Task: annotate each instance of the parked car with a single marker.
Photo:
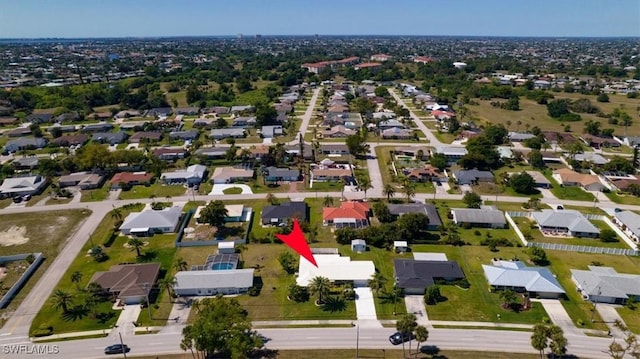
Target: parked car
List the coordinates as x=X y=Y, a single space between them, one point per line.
x=117 y=349
x=17 y=199
x=399 y=338
x=26 y=197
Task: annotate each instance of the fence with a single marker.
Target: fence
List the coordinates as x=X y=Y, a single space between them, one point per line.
x=23 y=278
x=584 y=249
x=515 y=227
x=179 y=243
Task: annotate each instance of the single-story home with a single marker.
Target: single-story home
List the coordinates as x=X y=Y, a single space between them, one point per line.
x=18 y=132
x=20 y=186
x=188 y=135
x=598 y=141
x=568 y=177
x=358 y=245
x=520 y=136
x=189 y=111
x=212 y=152
x=566 y=221
x=388 y=124
x=192 y=175
x=242 y=108
x=235 y=213
x=426 y=173
x=221 y=133
x=415 y=276
x=337 y=149
x=26 y=143
x=159 y=112
x=151 y=136
x=591 y=157
x=130 y=283
x=517 y=276
x=338 y=132
x=485 y=216
x=149 y=222
x=231 y=175
x=397 y=132
x=473 y=176
x=112 y=138
x=243 y=122
x=25 y=163
x=284 y=212
x=70 y=140
x=213 y=282
x=335 y=268
x=277 y=174
x=452 y=153
x=84 y=180
x=629 y=223
x=272 y=131
x=605 y=285
x=427 y=209
x=349 y=214
x=169 y=154
x=539 y=179
x=98 y=127
x=130 y=179
x=329 y=174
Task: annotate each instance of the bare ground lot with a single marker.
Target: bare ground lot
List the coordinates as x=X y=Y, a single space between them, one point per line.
x=47 y=233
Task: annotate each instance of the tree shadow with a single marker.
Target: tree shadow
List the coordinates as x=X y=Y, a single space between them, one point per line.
x=432 y=350
x=265 y=353
x=147 y=256
x=103 y=318
x=225 y=232
x=75 y=313
x=334 y=304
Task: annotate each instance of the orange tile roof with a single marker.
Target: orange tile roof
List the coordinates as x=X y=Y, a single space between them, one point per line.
x=347 y=209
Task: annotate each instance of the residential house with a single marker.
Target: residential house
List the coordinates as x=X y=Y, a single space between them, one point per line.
x=567 y=222
x=358 y=245
x=169 y=154
x=218 y=110
x=294 y=150
x=127 y=179
x=281 y=214
x=381 y=57
x=68 y=117
x=338 y=132
x=189 y=111
x=159 y=112
x=242 y=109
x=19 y=132
x=415 y=276
x=213 y=282
x=591 y=157
x=188 y=135
x=629 y=223
x=192 y=175
x=427 y=209
x=221 y=133
x=10 y=121
x=99 y=116
x=25 y=163
x=626 y=184
x=549 y=157
x=558 y=137
x=397 y=133
x=517 y=276
x=97 y=127
x=70 y=140
x=413 y=152
x=334 y=149
x=112 y=138
x=390 y=123
x=422 y=59
x=212 y=152
x=605 y=285
x=631 y=141
x=20 y=186
x=426 y=173
x=283 y=107
x=38 y=118
x=27 y=143
x=337 y=269
x=150 y=222
x=244 y=122
x=129 y=283
x=272 y=131
x=473 y=177
x=371 y=66
x=142 y=136
x=204 y=122
x=599 y=142
x=520 y=136
x=540 y=181
x=62 y=128
x=452 y=153
x=332 y=174
x=255 y=152
x=277 y=174
x=485 y=216
x=83 y=180
x=567 y=177
x=231 y=175
x=124 y=114
x=349 y=214
x=349 y=120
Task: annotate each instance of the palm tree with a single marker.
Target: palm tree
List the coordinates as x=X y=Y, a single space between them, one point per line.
x=180 y=264
x=187 y=341
x=90 y=302
x=422 y=335
x=76 y=277
x=116 y=214
x=364 y=184
x=320 y=285
x=168 y=282
x=62 y=300
x=136 y=244
x=153 y=198
x=518 y=123
x=389 y=191
x=98 y=254
x=508 y=123
x=409 y=191
x=377 y=282
x=539 y=339
x=272 y=199
x=327 y=201
x=406 y=325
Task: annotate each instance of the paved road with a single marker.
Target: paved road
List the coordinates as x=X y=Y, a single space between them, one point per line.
x=308 y=114
x=433 y=140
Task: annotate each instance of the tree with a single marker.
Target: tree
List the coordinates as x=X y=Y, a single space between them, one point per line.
x=608 y=235
x=592 y=127
x=76 y=277
x=535 y=159
x=631 y=346
x=481 y=153
x=272 y=199
x=320 y=286
x=377 y=282
x=381 y=91
x=602 y=97
x=357 y=145
x=98 y=254
x=432 y=295
x=180 y=264
x=168 y=282
x=422 y=335
x=496 y=134
x=345 y=235
x=438 y=161
x=522 y=183
x=135 y=244
x=619 y=164
x=62 y=300
x=187 y=341
x=298 y=293
x=222 y=328
x=364 y=184
x=539 y=339
x=381 y=211
x=409 y=190
x=557 y=108
x=472 y=200
x=214 y=214
x=558 y=343
x=406 y=325
x=389 y=191
x=509 y=298
x=513 y=104
x=116 y=213
x=327 y=201
x=538 y=256
x=550 y=336
x=288 y=262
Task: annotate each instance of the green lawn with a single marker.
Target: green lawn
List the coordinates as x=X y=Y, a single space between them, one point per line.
x=156 y=190
x=568 y=192
x=95 y=195
x=159 y=248
x=233 y=190
x=623 y=198
x=383 y=153
x=631 y=318
x=59 y=200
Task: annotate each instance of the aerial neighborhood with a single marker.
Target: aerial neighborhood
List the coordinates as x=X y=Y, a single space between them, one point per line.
x=146 y=189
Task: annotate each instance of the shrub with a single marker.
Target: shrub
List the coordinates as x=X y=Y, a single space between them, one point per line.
x=477 y=232
x=253 y=291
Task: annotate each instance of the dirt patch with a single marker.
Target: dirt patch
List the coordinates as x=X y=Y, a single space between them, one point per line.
x=14 y=236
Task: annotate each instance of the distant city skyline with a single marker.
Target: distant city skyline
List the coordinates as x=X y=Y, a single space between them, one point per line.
x=156 y=18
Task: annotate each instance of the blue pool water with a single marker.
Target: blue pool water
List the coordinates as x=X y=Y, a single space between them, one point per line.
x=222 y=266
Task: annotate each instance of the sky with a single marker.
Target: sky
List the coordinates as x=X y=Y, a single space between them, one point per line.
x=151 y=18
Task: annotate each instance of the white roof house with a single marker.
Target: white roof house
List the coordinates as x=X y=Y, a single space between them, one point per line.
x=485 y=216
x=515 y=274
x=193 y=174
x=212 y=282
x=629 y=222
x=567 y=220
x=335 y=268
x=605 y=285
x=151 y=221
x=22 y=185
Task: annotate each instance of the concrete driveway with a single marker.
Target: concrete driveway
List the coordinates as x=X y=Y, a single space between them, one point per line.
x=415 y=305
x=218 y=189
x=365 y=307
x=558 y=315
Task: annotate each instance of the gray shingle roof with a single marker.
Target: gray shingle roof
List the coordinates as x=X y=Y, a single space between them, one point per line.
x=168 y=217
x=421 y=274
x=573 y=220
x=428 y=209
x=286 y=210
x=631 y=220
x=517 y=274
x=470 y=176
x=606 y=282
x=478 y=215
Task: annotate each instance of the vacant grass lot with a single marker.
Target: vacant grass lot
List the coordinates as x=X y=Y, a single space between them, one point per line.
x=156 y=190
x=48 y=233
x=383 y=153
x=631 y=318
x=95 y=195
x=623 y=198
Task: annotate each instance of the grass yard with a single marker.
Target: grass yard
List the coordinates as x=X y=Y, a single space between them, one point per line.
x=47 y=233
x=59 y=200
x=623 y=198
x=233 y=190
x=157 y=189
x=95 y=195
x=383 y=153
x=631 y=318
x=568 y=192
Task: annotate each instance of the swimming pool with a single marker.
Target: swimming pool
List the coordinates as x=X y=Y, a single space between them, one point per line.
x=222 y=266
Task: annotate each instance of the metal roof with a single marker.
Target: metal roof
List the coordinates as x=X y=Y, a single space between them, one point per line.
x=210 y=279
x=517 y=274
x=606 y=282
x=573 y=220
x=477 y=215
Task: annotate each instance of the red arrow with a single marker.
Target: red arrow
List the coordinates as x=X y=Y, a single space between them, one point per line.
x=297 y=242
